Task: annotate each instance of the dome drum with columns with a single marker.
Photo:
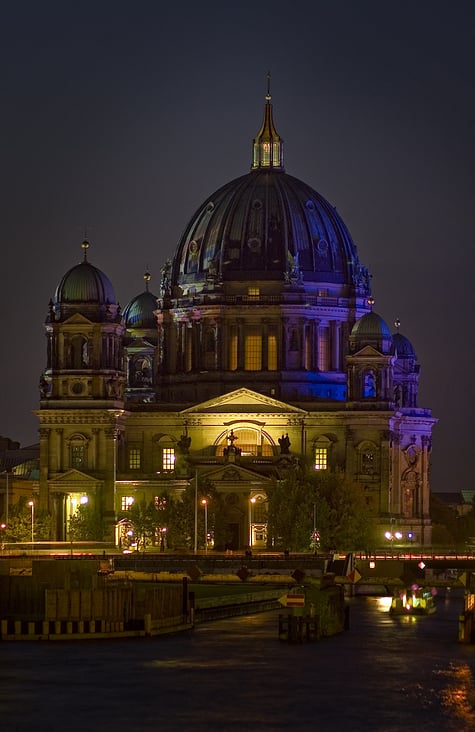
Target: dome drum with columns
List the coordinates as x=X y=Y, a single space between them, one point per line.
x=261 y=349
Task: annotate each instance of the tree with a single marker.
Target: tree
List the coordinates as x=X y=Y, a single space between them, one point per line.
x=343 y=519
x=446 y=527
x=86 y=525
x=19 y=523
x=290 y=514
x=182 y=517
x=145 y=521
x=349 y=523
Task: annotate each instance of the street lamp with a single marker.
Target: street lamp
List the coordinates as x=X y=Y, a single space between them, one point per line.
x=196 y=511
x=204 y=503
x=32 y=506
x=6 y=495
x=251 y=501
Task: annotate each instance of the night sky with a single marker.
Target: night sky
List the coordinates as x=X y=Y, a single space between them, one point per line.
x=120 y=118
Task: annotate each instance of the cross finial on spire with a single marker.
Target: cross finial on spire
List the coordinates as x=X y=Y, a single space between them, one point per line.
x=85 y=247
x=397 y=323
x=268 y=95
x=147 y=277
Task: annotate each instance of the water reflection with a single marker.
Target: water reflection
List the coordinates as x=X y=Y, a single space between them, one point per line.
x=458 y=697
x=385 y=674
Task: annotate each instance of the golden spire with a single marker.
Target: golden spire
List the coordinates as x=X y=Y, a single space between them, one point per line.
x=268 y=146
x=147 y=277
x=85 y=247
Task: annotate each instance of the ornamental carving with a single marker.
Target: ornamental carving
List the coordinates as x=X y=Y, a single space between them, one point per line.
x=411 y=453
x=231 y=474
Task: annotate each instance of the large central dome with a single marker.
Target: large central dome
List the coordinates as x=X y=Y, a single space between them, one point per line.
x=263 y=291
x=268 y=225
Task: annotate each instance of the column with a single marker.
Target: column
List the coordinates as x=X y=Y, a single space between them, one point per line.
x=335 y=345
x=45 y=458
x=220 y=346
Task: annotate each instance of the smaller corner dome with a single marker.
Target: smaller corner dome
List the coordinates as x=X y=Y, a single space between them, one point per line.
x=140 y=311
x=85 y=283
x=371 y=330
x=402 y=346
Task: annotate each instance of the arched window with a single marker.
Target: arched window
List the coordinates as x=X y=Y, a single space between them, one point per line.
x=141 y=371
x=79 y=353
x=369 y=389
x=164 y=454
x=321 y=453
x=78 y=451
x=250 y=441
x=368 y=459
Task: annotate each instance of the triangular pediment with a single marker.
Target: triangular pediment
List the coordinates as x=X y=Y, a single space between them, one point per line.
x=140 y=345
x=367 y=352
x=78 y=319
x=73 y=480
x=243 y=400
x=231 y=473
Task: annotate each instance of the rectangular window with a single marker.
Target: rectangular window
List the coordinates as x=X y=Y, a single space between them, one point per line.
x=253 y=293
x=126 y=502
x=272 y=353
x=135 y=458
x=253 y=353
x=168 y=459
x=321 y=458
x=78 y=456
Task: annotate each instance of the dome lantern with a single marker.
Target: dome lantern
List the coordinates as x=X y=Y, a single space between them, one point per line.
x=268 y=146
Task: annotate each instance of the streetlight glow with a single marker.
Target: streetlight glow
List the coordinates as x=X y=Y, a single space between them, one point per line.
x=204 y=503
x=32 y=506
x=251 y=502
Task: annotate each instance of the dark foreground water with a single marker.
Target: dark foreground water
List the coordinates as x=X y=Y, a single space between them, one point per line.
x=384 y=673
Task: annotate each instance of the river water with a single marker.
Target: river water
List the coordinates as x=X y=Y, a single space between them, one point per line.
x=384 y=673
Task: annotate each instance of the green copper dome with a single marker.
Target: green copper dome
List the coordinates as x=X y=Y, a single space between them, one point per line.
x=371 y=330
x=85 y=289
x=140 y=311
x=86 y=284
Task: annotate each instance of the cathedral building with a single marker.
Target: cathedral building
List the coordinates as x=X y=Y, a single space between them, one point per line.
x=261 y=348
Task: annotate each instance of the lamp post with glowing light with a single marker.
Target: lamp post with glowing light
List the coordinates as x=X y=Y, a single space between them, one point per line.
x=32 y=506
x=204 y=503
x=251 y=502
x=7 y=496
x=196 y=512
